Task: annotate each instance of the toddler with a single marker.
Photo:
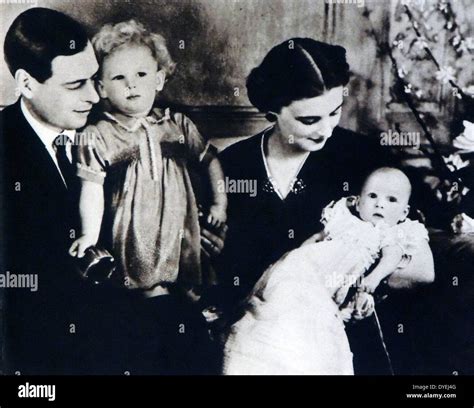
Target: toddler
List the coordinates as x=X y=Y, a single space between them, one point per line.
x=136 y=195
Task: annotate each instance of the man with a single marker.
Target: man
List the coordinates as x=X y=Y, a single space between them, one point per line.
x=53 y=63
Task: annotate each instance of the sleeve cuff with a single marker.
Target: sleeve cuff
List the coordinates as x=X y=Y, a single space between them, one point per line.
x=86 y=173
x=208 y=154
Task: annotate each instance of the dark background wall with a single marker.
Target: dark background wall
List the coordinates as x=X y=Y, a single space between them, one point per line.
x=224 y=40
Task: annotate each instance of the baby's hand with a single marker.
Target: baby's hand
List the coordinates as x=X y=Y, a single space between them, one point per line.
x=80 y=245
x=361 y=306
x=364 y=305
x=217 y=216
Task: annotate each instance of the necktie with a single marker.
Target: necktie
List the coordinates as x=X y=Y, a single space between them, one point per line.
x=64 y=164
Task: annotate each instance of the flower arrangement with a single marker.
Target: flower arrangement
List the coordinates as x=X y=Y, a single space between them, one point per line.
x=431 y=58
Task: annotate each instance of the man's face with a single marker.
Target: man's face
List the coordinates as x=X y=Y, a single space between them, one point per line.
x=65 y=99
x=309 y=123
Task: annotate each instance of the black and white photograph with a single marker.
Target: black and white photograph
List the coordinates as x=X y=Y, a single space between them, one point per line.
x=237 y=188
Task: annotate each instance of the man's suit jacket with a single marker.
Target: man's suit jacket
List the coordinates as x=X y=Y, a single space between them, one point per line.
x=38 y=225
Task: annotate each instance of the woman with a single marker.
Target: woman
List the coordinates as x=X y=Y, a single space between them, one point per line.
x=300 y=164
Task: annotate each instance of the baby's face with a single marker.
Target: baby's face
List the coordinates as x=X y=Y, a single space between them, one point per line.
x=384 y=198
x=130 y=80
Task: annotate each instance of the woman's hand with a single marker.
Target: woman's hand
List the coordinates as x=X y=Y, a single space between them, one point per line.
x=80 y=245
x=212 y=242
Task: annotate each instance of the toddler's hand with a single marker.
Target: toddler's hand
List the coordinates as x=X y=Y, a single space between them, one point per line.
x=217 y=216
x=80 y=245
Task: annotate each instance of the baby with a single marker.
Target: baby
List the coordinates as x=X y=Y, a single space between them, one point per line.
x=136 y=195
x=383 y=200
x=293 y=322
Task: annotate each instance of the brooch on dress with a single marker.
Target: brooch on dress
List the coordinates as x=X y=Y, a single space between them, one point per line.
x=297 y=187
x=267 y=186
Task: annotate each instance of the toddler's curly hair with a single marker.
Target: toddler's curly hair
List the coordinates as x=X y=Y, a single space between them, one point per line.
x=112 y=36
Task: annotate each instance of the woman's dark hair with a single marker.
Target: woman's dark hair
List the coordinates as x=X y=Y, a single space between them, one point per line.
x=39 y=35
x=296 y=69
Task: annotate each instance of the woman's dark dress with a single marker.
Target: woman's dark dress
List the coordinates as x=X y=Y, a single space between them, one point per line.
x=262 y=227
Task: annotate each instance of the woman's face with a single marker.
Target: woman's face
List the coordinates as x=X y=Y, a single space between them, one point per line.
x=308 y=123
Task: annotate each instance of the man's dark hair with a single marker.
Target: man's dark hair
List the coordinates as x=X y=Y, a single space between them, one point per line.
x=39 y=35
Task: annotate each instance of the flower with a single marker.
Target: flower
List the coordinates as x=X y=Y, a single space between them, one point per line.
x=422 y=43
x=401 y=72
x=465 y=141
x=470 y=42
x=462 y=47
x=456 y=40
x=445 y=74
x=443 y=5
x=399 y=44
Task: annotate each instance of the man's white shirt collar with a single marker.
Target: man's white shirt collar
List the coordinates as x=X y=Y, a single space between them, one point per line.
x=48 y=135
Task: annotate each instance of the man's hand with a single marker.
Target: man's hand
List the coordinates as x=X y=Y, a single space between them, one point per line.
x=212 y=242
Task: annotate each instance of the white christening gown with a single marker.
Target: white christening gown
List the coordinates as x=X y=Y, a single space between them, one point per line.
x=291 y=324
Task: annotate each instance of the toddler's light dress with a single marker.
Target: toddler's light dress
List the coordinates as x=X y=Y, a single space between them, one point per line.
x=150 y=222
